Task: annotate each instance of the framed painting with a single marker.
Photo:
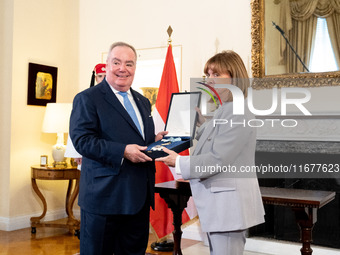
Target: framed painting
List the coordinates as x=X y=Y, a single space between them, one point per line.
x=42 y=84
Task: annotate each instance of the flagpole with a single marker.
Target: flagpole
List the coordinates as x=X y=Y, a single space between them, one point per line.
x=164 y=244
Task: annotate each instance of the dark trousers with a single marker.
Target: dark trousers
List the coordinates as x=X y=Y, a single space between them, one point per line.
x=114 y=234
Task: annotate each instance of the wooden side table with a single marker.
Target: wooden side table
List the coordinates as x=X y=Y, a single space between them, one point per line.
x=51 y=173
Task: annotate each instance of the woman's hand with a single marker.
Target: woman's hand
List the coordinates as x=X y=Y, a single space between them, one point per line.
x=201 y=119
x=160 y=135
x=169 y=160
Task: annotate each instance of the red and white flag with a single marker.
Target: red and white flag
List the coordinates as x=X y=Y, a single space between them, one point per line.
x=161 y=218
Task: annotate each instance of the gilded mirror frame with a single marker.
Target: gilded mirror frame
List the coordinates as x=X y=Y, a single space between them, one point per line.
x=282 y=80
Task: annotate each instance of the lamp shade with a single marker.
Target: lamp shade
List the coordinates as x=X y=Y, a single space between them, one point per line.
x=57 y=118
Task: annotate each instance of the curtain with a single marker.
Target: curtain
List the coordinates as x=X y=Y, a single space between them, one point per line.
x=333 y=24
x=301 y=33
x=301 y=38
x=285 y=23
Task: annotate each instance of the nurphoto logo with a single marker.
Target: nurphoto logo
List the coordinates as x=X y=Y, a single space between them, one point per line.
x=238 y=100
x=239 y=104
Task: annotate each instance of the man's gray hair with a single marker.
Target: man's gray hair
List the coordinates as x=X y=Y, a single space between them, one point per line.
x=122 y=44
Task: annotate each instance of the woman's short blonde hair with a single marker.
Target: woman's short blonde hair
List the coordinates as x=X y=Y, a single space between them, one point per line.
x=229 y=62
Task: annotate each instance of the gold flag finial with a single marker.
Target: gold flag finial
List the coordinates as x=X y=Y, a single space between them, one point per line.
x=169 y=33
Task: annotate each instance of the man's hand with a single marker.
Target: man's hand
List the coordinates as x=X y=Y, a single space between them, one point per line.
x=133 y=153
x=168 y=160
x=160 y=135
x=78 y=160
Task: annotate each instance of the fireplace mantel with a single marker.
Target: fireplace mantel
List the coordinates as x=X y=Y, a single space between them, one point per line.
x=280 y=146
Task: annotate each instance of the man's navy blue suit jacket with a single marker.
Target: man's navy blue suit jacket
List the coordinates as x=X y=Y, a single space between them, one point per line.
x=100 y=128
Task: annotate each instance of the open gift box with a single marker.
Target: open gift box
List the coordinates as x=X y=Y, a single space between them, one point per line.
x=180 y=123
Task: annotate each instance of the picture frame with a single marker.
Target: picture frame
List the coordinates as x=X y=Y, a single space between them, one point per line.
x=42 y=84
x=43 y=160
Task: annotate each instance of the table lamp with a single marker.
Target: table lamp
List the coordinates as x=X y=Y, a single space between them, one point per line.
x=56 y=120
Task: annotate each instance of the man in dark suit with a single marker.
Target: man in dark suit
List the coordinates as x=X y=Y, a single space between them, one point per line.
x=117 y=178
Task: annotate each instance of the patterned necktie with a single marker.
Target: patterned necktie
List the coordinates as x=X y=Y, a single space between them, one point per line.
x=130 y=110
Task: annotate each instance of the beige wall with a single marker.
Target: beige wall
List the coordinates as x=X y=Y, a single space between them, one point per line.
x=201 y=27
x=44 y=32
x=6 y=17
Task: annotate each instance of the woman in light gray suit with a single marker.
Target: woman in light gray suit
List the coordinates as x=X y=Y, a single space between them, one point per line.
x=227 y=199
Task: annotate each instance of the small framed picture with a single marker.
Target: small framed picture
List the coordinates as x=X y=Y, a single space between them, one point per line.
x=43 y=160
x=42 y=84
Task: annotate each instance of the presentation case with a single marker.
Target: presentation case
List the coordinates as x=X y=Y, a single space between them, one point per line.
x=180 y=123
